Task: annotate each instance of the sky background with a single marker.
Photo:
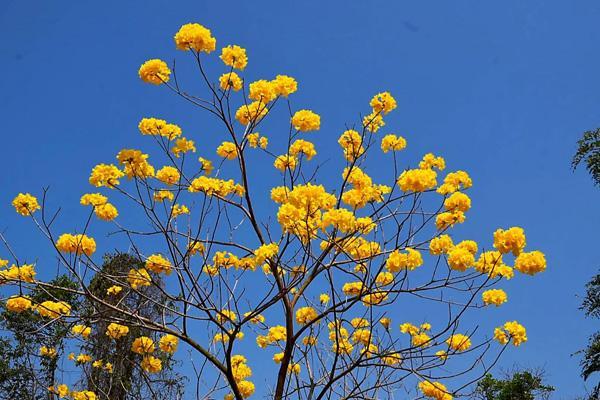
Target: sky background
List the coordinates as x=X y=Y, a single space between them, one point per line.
x=501 y=89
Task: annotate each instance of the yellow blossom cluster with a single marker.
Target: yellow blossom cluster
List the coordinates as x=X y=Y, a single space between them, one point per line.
x=352 y=143
x=434 y=390
x=78 y=244
x=215 y=187
x=511 y=330
x=159 y=127
x=116 y=331
x=154 y=71
x=195 y=37
x=25 y=204
x=305 y=315
x=494 y=296
x=305 y=121
x=392 y=142
x=363 y=191
x=23 y=273
x=398 y=261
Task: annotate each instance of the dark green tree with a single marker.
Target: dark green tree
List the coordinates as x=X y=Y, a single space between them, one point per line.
x=24 y=375
x=590 y=364
x=127 y=381
x=588 y=152
x=520 y=385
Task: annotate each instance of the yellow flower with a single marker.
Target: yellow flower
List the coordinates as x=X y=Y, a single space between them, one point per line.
x=383 y=102
x=142 y=345
x=227 y=150
x=531 y=263
x=138 y=277
x=430 y=161
x=306 y=120
x=84 y=395
x=459 y=342
x=246 y=388
x=417 y=180
x=265 y=252
x=284 y=162
x=24 y=273
x=183 y=146
x=105 y=175
x=324 y=298
x=168 y=175
x=449 y=219
x=230 y=80
x=195 y=37
x=158 y=264
x=93 y=199
x=284 y=85
x=373 y=122
x=77 y=244
x=106 y=212
x=305 y=315
x=49 y=352
x=168 y=343
x=159 y=127
x=151 y=364
x=305 y=147
x=83 y=358
x=514 y=330
x=116 y=331
x=440 y=245
x=398 y=261
x=53 y=309
x=455 y=181
x=392 y=143
x=154 y=71
x=234 y=56
x=82 y=330
x=512 y=239
x=351 y=142
x=61 y=390
x=494 y=296
x=162 y=195
x=114 y=290
x=25 y=204
x=434 y=390
x=385 y=322
x=458 y=202
x=262 y=91
x=251 y=113
x=207 y=166
x=459 y=259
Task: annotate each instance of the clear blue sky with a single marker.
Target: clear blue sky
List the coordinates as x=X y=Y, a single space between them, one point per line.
x=501 y=89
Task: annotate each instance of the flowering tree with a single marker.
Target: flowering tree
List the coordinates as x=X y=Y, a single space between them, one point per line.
x=309 y=279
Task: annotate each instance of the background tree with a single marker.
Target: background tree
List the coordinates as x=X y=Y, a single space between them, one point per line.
x=24 y=372
x=590 y=363
x=588 y=151
x=518 y=385
x=125 y=381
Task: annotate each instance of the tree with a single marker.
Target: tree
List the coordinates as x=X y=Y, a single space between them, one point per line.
x=588 y=151
x=590 y=364
x=520 y=385
x=125 y=381
x=302 y=285
x=22 y=374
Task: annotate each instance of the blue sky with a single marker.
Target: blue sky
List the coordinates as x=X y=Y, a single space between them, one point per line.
x=500 y=89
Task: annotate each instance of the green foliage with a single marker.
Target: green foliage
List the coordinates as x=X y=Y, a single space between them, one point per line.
x=588 y=151
x=126 y=382
x=521 y=385
x=590 y=363
x=22 y=375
